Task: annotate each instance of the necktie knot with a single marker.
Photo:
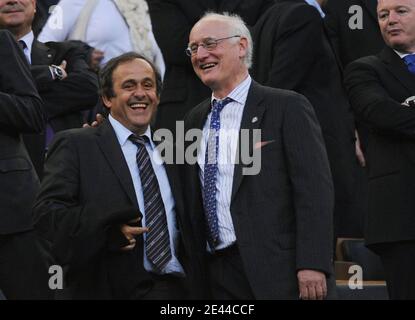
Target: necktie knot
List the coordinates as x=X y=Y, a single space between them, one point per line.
x=218 y=105
x=410 y=62
x=139 y=140
x=22 y=44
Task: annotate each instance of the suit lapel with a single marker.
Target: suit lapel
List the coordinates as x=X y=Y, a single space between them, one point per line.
x=371 y=6
x=398 y=68
x=110 y=147
x=251 y=119
x=41 y=54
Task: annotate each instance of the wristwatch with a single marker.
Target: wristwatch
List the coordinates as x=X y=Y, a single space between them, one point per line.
x=57 y=72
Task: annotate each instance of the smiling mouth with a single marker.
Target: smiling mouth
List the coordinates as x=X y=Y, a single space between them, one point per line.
x=207 y=66
x=138 y=106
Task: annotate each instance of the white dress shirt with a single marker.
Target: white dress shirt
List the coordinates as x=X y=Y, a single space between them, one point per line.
x=230 y=123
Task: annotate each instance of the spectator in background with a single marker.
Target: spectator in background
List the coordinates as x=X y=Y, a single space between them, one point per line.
x=23 y=271
x=111 y=27
x=172 y=21
x=62 y=76
x=292 y=51
x=353 y=28
x=43 y=10
x=381 y=89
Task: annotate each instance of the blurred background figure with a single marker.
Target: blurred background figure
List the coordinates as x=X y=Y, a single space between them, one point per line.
x=292 y=51
x=23 y=271
x=352 y=26
x=62 y=76
x=111 y=27
x=172 y=21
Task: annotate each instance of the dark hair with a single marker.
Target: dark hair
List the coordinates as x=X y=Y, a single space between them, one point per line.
x=105 y=75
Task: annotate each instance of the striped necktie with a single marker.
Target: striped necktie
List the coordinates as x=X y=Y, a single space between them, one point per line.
x=157 y=238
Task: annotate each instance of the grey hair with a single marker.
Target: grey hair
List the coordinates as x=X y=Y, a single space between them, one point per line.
x=238 y=27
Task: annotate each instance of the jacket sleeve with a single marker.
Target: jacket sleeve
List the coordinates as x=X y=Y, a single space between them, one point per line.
x=310 y=176
x=373 y=104
x=77 y=92
x=77 y=231
x=21 y=109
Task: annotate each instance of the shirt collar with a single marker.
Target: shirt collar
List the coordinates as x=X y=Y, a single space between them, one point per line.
x=316 y=5
x=28 y=39
x=235 y=94
x=123 y=133
x=401 y=54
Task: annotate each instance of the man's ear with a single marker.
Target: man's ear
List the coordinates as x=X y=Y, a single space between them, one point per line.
x=243 y=46
x=107 y=102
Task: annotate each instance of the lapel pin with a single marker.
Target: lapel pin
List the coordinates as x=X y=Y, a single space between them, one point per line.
x=49 y=55
x=254 y=119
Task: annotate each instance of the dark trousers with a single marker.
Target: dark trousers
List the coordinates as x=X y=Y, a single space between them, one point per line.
x=23 y=268
x=398 y=260
x=165 y=287
x=228 y=280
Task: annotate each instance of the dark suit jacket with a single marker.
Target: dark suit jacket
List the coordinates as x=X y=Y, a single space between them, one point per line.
x=292 y=52
x=20 y=111
x=172 y=21
x=64 y=100
x=86 y=193
x=377 y=85
x=352 y=44
x=283 y=215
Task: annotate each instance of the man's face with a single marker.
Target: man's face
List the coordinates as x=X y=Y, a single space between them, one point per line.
x=220 y=67
x=17 y=15
x=135 y=101
x=397 y=23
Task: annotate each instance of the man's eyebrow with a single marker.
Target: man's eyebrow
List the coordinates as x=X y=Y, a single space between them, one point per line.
x=129 y=81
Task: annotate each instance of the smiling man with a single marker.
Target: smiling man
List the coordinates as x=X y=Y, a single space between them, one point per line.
x=109 y=208
x=269 y=235
x=381 y=89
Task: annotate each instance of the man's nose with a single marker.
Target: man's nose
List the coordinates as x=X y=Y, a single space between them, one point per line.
x=201 y=51
x=393 y=17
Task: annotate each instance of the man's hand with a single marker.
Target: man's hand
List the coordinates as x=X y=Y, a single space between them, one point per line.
x=359 y=153
x=63 y=66
x=312 y=285
x=99 y=119
x=96 y=58
x=130 y=232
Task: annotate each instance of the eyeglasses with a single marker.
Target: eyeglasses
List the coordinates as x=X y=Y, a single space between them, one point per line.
x=208 y=44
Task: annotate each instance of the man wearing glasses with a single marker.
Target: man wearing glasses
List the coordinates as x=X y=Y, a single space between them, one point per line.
x=268 y=235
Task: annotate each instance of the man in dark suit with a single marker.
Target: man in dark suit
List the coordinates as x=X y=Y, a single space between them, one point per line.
x=268 y=232
x=172 y=21
x=23 y=275
x=378 y=87
x=353 y=28
x=62 y=76
x=112 y=212
x=291 y=50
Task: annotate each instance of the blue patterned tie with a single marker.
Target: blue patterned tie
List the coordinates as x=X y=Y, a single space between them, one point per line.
x=410 y=62
x=157 y=238
x=210 y=172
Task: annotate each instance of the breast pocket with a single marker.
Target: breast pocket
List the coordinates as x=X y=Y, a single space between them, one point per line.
x=14 y=164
